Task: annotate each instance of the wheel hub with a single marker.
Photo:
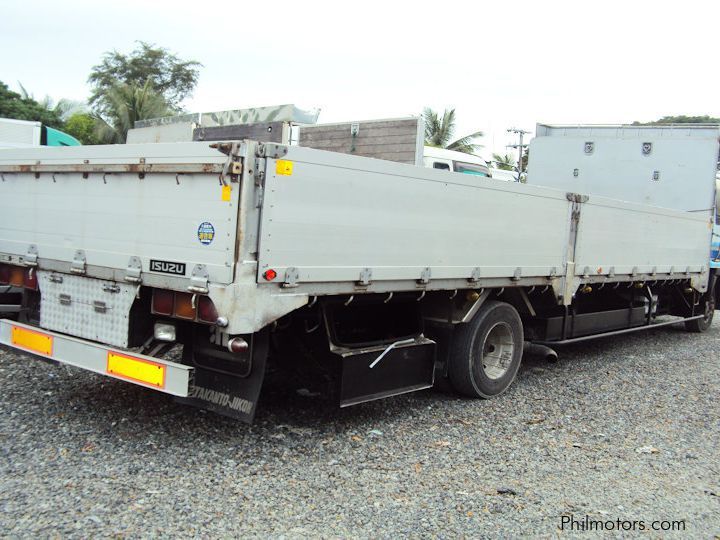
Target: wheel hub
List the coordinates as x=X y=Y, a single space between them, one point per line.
x=497 y=351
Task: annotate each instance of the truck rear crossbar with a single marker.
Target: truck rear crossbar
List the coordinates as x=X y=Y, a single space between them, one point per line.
x=160 y=375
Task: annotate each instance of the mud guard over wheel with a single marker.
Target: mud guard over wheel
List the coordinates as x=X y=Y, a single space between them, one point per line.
x=231 y=389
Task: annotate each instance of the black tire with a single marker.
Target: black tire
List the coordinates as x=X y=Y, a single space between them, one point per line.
x=701 y=325
x=496 y=330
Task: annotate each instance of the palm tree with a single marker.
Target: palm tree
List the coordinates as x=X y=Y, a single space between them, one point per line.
x=63 y=108
x=505 y=163
x=439 y=132
x=128 y=103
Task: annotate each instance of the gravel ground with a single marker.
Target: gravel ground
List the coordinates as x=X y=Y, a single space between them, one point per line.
x=622 y=428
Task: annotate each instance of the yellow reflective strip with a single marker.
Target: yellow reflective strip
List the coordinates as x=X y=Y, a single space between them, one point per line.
x=135 y=369
x=284 y=167
x=32 y=340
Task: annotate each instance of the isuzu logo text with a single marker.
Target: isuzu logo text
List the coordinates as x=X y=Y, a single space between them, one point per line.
x=167 y=267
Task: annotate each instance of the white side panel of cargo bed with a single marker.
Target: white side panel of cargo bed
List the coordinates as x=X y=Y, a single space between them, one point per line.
x=113 y=217
x=336 y=215
x=623 y=237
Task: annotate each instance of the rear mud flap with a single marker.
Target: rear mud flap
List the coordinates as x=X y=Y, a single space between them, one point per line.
x=228 y=394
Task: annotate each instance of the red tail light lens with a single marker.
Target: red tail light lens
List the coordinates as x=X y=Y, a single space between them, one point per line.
x=30 y=280
x=4 y=274
x=206 y=310
x=184 y=307
x=17 y=276
x=163 y=302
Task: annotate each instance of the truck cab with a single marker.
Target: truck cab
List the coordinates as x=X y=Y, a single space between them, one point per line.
x=28 y=134
x=449 y=160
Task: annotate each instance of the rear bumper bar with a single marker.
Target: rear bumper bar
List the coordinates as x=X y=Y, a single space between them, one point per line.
x=139 y=369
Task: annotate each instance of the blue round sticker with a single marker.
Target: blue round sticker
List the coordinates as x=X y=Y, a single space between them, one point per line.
x=206 y=233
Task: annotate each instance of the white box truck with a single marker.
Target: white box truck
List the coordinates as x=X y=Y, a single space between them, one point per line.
x=365 y=277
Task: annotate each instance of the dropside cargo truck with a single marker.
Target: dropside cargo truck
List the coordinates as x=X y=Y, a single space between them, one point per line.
x=197 y=269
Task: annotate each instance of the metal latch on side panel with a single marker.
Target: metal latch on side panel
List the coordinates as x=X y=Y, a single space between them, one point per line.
x=78 y=263
x=133 y=272
x=292 y=275
x=577 y=197
x=31 y=257
x=199 y=279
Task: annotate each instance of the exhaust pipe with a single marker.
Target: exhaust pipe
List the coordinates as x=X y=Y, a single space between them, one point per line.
x=535 y=349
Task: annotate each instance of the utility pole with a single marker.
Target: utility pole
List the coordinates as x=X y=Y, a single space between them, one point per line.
x=519 y=146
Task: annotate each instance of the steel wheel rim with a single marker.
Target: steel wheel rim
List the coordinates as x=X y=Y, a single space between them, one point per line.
x=497 y=351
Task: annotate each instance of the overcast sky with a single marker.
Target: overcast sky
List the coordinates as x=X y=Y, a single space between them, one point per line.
x=500 y=64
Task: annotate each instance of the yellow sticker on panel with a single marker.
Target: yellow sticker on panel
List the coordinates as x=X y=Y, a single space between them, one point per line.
x=284 y=167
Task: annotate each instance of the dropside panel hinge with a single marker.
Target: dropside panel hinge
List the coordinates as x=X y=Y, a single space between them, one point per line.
x=425 y=277
x=79 y=262
x=133 y=272
x=292 y=275
x=31 y=257
x=365 y=278
x=199 y=279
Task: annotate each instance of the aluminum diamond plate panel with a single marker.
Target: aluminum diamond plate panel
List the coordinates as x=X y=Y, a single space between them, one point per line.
x=86 y=307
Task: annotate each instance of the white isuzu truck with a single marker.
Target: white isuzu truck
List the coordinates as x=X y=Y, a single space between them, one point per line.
x=361 y=277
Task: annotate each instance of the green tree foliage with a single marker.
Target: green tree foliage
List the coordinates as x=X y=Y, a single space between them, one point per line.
x=24 y=107
x=83 y=127
x=682 y=119
x=127 y=103
x=504 y=162
x=170 y=77
x=439 y=131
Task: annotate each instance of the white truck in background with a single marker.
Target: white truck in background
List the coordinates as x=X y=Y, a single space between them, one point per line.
x=450 y=160
x=28 y=134
x=361 y=277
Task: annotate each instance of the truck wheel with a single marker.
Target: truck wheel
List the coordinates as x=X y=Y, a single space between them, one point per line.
x=701 y=325
x=486 y=351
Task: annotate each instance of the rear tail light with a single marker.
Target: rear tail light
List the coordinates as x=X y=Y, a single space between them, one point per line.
x=206 y=310
x=163 y=302
x=188 y=306
x=30 y=280
x=184 y=307
x=17 y=276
